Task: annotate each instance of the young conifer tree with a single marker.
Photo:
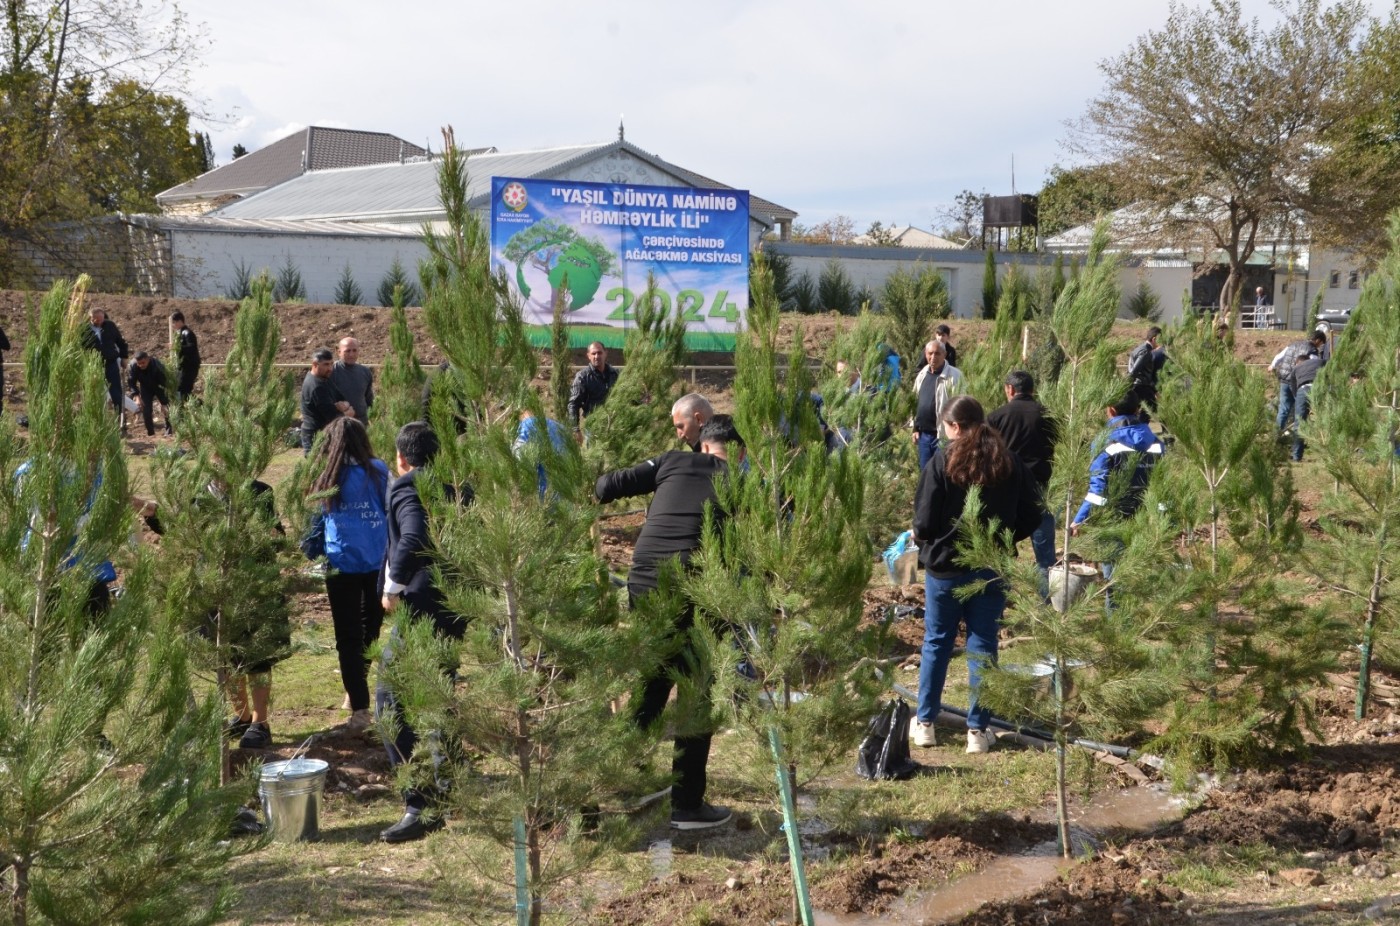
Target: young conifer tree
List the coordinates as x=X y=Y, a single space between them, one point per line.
x=781 y=579
x=544 y=653
x=398 y=398
x=984 y=365
x=635 y=421
x=911 y=301
x=221 y=549
x=990 y=291
x=1245 y=645
x=1101 y=671
x=1354 y=427
x=110 y=804
x=560 y=368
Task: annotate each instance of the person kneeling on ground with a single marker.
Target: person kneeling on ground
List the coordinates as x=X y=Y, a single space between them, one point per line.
x=683 y=483
x=145 y=380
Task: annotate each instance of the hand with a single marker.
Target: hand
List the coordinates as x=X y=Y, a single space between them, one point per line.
x=1075 y=528
x=346 y=409
x=388 y=601
x=916 y=437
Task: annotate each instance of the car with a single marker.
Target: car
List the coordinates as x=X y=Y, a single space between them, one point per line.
x=1336 y=319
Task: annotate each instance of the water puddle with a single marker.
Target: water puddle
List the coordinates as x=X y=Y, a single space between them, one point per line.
x=1130 y=810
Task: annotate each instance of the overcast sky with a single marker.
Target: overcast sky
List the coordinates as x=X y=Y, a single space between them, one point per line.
x=878 y=110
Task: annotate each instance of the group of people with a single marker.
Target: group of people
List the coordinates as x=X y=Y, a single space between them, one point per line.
x=147 y=378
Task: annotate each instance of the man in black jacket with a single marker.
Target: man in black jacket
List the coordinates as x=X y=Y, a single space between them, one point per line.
x=145 y=379
x=591 y=384
x=683 y=483
x=187 y=359
x=1143 y=368
x=104 y=337
x=321 y=402
x=408 y=579
x=1031 y=433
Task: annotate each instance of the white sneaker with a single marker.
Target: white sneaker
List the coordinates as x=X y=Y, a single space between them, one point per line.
x=922 y=733
x=980 y=741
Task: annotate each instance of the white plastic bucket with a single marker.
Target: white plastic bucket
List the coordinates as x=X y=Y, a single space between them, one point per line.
x=1065 y=589
x=291 y=798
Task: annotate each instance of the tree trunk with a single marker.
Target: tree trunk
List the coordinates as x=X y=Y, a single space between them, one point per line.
x=1368 y=636
x=19 y=901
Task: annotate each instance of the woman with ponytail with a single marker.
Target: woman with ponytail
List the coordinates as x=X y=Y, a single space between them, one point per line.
x=974 y=455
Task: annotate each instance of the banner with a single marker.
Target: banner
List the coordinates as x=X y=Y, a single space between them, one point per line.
x=593 y=245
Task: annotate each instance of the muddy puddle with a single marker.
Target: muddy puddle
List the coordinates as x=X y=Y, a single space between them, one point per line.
x=1127 y=811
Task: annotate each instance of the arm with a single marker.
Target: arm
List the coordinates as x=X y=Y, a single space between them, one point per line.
x=925 y=506
x=626 y=483
x=369 y=389
x=1098 y=486
x=4 y=341
x=576 y=397
x=117 y=339
x=404 y=560
x=1029 y=504
x=131 y=384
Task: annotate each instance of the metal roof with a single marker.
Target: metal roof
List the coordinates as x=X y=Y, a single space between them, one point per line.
x=312 y=148
x=408 y=192
x=224 y=225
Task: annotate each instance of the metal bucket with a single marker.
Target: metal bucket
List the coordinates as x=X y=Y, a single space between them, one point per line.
x=1065 y=589
x=291 y=798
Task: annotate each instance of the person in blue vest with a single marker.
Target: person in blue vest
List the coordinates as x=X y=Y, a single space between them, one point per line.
x=349 y=526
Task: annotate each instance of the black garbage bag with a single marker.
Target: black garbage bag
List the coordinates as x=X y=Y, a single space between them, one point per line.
x=884 y=753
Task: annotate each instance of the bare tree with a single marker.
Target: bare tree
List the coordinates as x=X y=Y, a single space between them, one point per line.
x=962 y=220
x=1215 y=125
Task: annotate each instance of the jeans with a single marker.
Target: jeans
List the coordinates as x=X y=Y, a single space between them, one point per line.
x=1043 y=545
x=943 y=613
x=928 y=443
x=1302 y=408
x=1285 y=404
x=405 y=740
x=358 y=615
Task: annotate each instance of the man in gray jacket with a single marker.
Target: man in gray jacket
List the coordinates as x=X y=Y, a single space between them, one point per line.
x=352 y=379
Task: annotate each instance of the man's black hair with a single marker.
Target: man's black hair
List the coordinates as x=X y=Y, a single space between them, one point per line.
x=1020 y=382
x=1128 y=404
x=177 y=316
x=1153 y=332
x=720 y=429
x=1318 y=337
x=322 y=354
x=417 y=443
x=943 y=329
x=142 y=355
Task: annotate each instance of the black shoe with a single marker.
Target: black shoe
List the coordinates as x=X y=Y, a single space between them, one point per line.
x=257 y=736
x=413 y=826
x=703 y=817
x=236 y=727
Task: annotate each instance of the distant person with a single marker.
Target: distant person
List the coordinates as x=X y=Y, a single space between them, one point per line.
x=935 y=386
x=1283 y=365
x=348 y=527
x=1304 y=374
x=591 y=384
x=187 y=359
x=1143 y=369
x=974 y=455
x=1261 y=306
x=682 y=487
x=145 y=379
x=555 y=433
x=104 y=337
x=408 y=581
x=352 y=379
x=321 y=402
x=1031 y=433
x=944 y=335
x=689 y=414
x=4 y=346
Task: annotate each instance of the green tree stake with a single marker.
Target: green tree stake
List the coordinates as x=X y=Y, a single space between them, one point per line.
x=803 y=902
x=522 y=875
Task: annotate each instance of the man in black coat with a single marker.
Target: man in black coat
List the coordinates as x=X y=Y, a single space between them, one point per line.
x=104 y=337
x=145 y=379
x=591 y=384
x=187 y=359
x=321 y=403
x=683 y=485
x=408 y=580
x=1031 y=433
x=1143 y=369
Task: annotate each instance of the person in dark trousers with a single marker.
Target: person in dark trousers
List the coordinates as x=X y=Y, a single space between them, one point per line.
x=974 y=455
x=4 y=346
x=683 y=485
x=187 y=359
x=1283 y=365
x=321 y=403
x=935 y=385
x=1143 y=368
x=145 y=381
x=349 y=527
x=1304 y=373
x=408 y=581
x=591 y=384
x=104 y=337
x=352 y=379
x=1030 y=433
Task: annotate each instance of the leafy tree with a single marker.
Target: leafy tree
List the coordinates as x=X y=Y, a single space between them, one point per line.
x=397 y=287
x=1354 y=425
x=911 y=301
x=544 y=653
x=347 y=291
x=205 y=145
x=635 y=421
x=990 y=292
x=1075 y=196
x=877 y=235
x=137 y=144
x=289 y=285
x=111 y=778
x=782 y=578
x=963 y=219
x=1169 y=136
x=839 y=229
x=835 y=292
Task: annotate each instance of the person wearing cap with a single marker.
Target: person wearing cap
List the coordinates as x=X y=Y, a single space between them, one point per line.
x=145 y=380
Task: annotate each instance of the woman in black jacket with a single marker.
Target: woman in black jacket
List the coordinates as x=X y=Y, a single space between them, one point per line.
x=975 y=455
